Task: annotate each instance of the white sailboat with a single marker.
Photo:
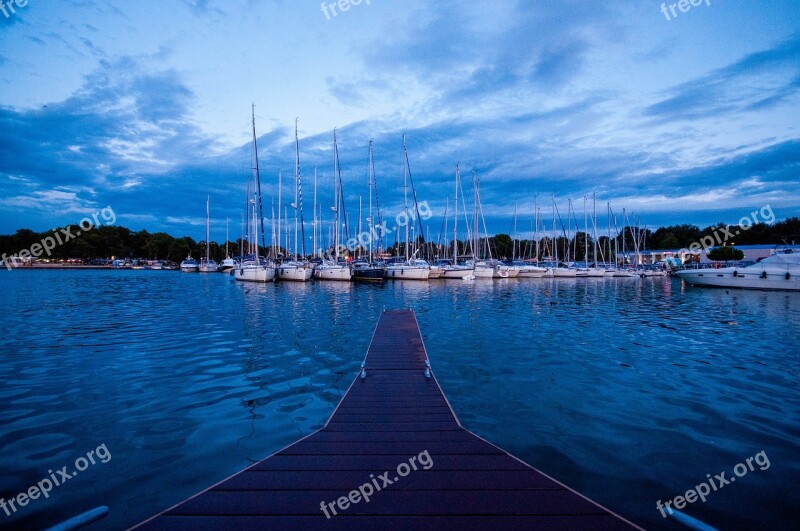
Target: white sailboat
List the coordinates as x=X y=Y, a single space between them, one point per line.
x=410 y=269
x=298 y=269
x=207 y=265
x=332 y=269
x=229 y=263
x=454 y=269
x=255 y=268
x=484 y=268
x=559 y=269
x=594 y=271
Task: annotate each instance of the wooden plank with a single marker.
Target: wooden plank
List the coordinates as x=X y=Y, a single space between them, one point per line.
x=390 y=501
x=599 y=522
x=343 y=480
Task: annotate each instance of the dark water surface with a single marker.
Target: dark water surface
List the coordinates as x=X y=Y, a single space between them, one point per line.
x=628 y=390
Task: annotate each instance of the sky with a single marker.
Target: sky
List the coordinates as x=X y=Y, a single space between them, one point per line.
x=145 y=107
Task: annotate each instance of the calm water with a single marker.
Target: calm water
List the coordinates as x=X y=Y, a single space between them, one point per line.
x=628 y=390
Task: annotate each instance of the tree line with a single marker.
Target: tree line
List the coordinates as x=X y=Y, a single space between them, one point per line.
x=120 y=242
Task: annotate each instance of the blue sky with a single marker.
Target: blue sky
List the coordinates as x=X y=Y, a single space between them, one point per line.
x=145 y=106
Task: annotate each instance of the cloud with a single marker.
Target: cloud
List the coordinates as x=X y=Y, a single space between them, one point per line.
x=758 y=81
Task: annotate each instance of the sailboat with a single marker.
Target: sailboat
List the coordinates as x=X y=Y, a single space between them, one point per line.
x=367 y=270
x=255 y=268
x=456 y=269
x=207 y=265
x=229 y=263
x=594 y=271
x=560 y=269
x=332 y=269
x=485 y=268
x=298 y=270
x=411 y=268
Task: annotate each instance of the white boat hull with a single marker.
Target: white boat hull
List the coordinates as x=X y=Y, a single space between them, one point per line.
x=339 y=273
x=456 y=272
x=208 y=268
x=483 y=272
x=532 y=272
x=563 y=272
x=407 y=272
x=254 y=274
x=294 y=273
x=744 y=279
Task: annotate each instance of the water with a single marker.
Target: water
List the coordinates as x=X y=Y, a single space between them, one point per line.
x=630 y=391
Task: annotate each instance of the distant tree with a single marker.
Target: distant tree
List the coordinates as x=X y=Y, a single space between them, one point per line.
x=724 y=254
x=502 y=246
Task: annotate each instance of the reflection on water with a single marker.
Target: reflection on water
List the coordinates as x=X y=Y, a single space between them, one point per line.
x=629 y=390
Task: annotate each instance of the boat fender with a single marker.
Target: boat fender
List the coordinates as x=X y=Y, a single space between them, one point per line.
x=763 y=274
x=788 y=275
x=735 y=273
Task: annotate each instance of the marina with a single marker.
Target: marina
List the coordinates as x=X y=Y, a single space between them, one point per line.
x=420 y=265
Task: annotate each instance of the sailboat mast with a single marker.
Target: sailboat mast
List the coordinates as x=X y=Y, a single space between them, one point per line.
x=475 y=214
x=258 y=180
x=594 y=226
x=280 y=189
x=296 y=187
x=208 y=221
x=314 y=217
x=514 y=241
x=585 y=233
x=536 y=228
x=405 y=194
x=336 y=199
x=555 y=245
x=370 y=222
x=455 y=220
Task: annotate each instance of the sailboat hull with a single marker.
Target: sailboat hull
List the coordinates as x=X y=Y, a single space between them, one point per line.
x=456 y=272
x=563 y=272
x=369 y=274
x=532 y=272
x=405 y=272
x=254 y=274
x=339 y=273
x=293 y=273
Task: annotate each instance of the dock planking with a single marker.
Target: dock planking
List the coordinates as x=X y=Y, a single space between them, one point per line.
x=395 y=414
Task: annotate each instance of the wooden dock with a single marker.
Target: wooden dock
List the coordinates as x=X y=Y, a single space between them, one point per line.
x=394 y=424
